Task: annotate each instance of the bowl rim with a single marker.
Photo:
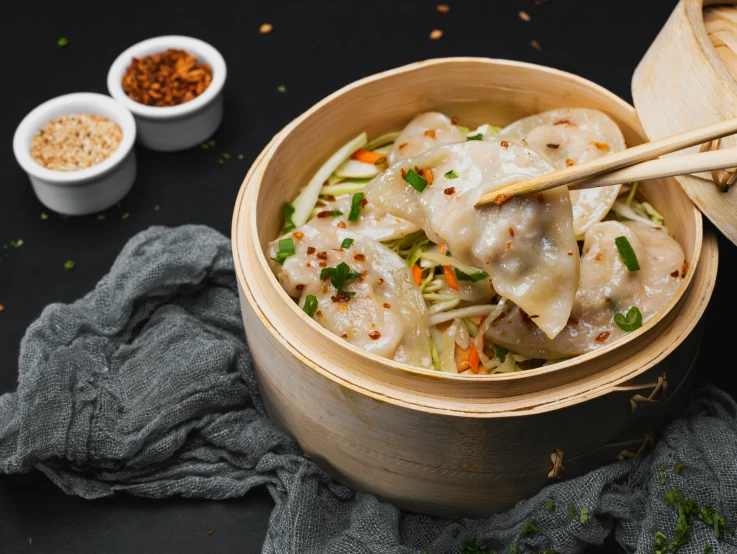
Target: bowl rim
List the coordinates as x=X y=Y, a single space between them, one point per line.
x=206 y=53
x=297 y=313
x=39 y=116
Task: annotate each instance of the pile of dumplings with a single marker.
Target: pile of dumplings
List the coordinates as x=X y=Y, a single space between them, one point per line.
x=533 y=281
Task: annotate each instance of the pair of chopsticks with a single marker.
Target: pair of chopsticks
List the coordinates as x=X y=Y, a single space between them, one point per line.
x=633 y=164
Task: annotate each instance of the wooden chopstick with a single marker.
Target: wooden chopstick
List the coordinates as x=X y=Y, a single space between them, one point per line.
x=616 y=161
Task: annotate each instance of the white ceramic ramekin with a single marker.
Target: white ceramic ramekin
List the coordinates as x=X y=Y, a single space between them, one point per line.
x=174 y=127
x=88 y=190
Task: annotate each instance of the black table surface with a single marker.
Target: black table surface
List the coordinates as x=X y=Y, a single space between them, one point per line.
x=315 y=48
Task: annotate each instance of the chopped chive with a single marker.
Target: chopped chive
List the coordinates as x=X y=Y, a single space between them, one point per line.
x=631 y=195
x=282 y=89
x=100 y=217
x=44 y=216
x=225 y=155
x=204 y=146
x=310 y=306
x=346 y=243
x=125 y=216
x=415 y=181
x=662 y=480
x=287 y=212
x=571 y=511
x=478 y=136
x=627 y=253
x=157 y=208
x=584 y=516
x=69 y=265
x=62 y=42
x=339 y=275
x=631 y=322
x=451 y=175
x=210 y=143
x=241 y=156
x=356 y=202
x=286 y=249
x=530 y=528
x=221 y=161
x=550 y=505
x=473 y=277
x=16 y=243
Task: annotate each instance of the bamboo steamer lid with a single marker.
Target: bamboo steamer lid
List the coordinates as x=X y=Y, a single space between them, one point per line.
x=685 y=81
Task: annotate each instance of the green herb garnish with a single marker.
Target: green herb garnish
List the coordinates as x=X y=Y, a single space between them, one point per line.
x=530 y=528
x=550 y=505
x=225 y=155
x=473 y=277
x=286 y=249
x=501 y=353
x=356 y=206
x=281 y=88
x=157 y=208
x=16 y=243
x=707 y=549
x=451 y=175
x=571 y=511
x=661 y=543
x=62 y=42
x=475 y=137
x=339 y=275
x=310 y=306
x=69 y=265
x=241 y=156
x=662 y=480
x=287 y=212
x=631 y=195
x=416 y=181
x=221 y=161
x=125 y=216
x=584 y=516
x=627 y=253
x=631 y=322
x=44 y=216
x=346 y=243
x=100 y=217
x=661 y=467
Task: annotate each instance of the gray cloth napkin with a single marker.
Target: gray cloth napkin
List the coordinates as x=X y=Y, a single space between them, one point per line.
x=145 y=386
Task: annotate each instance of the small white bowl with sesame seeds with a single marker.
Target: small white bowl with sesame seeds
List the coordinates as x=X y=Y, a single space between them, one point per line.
x=106 y=174
x=182 y=126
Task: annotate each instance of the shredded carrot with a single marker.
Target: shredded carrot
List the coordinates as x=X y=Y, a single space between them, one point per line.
x=473 y=359
x=417 y=274
x=366 y=156
x=448 y=272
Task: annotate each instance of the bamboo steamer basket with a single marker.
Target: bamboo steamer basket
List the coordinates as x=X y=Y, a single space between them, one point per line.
x=682 y=83
x=443 y=444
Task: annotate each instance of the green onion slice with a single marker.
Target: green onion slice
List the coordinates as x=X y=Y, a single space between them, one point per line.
x=473 y=277
x=346 y=243
x=310 y=306
x=631 y=322
x=286 y=249
x=415 y=181
x=451 y=175
x=356 y=206
x=627 y=253
x=288 y=211
x=475 y=137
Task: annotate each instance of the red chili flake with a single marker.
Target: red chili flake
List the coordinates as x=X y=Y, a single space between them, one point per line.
x=387 y=306
x=430 y=133
x=211 y=532
x=572 y=321
x=298 y=235
x=342 y=224
x=511 y=232
x=322 y=264
x=364 y=272
x=2 y=308
x=322 y=255
x=311 y=249
x=509 y=245
x=540 y=198
x=599 y=257
x=359 y=257
x=504 y=144
x=318 y=313
x=534 y=316
x=601 y=146
x=401 y=146
x=563 y=122
x=341 y=297
x=502 y=198
x=553 y=146
x=436 y=34
x=325 y=213
x=569 y=162
x=363 y=203
x=443 y=8
x=684 y=269
x=299 y=287
x=402 y=171
x=523 y=315
x=535 y=45
x=607 y=300
x=449 y=191
x=380 y=282
x=523 y=16
x=601 y=337
x=455 y=120
x=587 y=250
x=427 y=174
x=374 y=335
x=570 y=253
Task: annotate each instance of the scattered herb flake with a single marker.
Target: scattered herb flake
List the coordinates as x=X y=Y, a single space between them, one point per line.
x=662 y=480
x=157 y=208
x=477 y=136
x=310 y=306
x=100 y=217
x=661 y=467
x=286 y=249
x=125 y=216
x=346 y=243
x=631 y=322
x=627 y=253
x=62 y=42
x=707 y=549
x=416 y=181
x=16 y=243
x=530 y=528
x=69 y=265
x=241 y=156
x=571 y=511
x=584 y=516
x=356 y=205
x=660 y=544
x=225 y=155
x=281 y=88
x=221 y=161
x=339 y=275
x=287 y=212
x=550 y=505
x=451 y=174
x=44 y=216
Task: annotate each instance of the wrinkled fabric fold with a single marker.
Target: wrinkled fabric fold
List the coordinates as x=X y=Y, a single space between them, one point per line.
x=145 y=386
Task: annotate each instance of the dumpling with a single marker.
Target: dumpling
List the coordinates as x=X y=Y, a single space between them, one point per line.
x=526 y=245
x=422 y=133
x=387 y=314
x=569 y=137
x=372 y=222
x=607 y=288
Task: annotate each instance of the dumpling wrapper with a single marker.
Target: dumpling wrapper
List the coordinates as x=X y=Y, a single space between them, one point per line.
x=526 y=245
x=386 y=281
x=372 y=222
x=607 y=288
x=425 y=131
x=580 y=135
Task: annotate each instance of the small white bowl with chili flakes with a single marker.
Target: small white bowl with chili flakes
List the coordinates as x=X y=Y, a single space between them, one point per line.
x=77 y=150
x=173 y=85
